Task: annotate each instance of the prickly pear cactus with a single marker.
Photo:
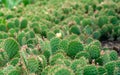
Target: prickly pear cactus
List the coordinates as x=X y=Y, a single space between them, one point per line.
x=73 y=48
x=90 y=70
x=11 y=46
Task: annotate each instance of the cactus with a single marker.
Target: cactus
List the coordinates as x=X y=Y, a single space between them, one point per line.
x=17 y=22
x=54 y=43
x=12 y=32
x=11 y=47
x=97 y=34
x=118 y=64
x=14 y=72
x=110 y=67
x=82 y=54
x=10 y=25
x=113 y=55
x=73 y=48
x=14 y=61
x=30 y=34
x=62 y=70
x=3 y=27
x=88 y=30
x=79 y=71
x=67 y=62
x=46 y=70
x=63 y=45
x=50 y=35
x=96 y=42
x=88 y=40
x=72 y=37
x=75 y=29
x=117 y=71
x=5 y=35
x=20 y=38
x=101 y=70
x=90 y=70
x=55 y=57
x=105 y=58
x=9 y=16
x=102 y=20
x=11 y=70
x=114 y=20
x=94 y=51
x=47 y=54
x=86 y=22
x=81 y=62
x=23 y=24
x=33 y=64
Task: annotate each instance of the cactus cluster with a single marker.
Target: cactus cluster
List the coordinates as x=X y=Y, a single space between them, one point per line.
x=59 y=37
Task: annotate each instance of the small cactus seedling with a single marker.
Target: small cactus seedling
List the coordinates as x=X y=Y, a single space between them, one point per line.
x=73 y=48
x=11 y=47
x=90 y=70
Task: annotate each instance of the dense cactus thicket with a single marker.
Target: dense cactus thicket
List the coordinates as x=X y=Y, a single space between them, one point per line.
x=59 y=37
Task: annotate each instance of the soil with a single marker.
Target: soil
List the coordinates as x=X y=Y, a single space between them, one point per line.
x=112 y=45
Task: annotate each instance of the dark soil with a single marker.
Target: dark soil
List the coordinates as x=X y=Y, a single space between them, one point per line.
x=112 y=45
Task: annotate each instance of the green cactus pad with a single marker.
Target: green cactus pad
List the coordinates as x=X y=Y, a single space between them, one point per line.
x=73 y=48
x=11 y=47
x=94 y=51
x=23 y=24
x=54 y=43
x=110 y=67
x=90 y=70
